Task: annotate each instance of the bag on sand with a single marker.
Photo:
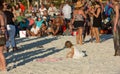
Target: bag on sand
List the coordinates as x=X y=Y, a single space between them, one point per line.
x=22 y=33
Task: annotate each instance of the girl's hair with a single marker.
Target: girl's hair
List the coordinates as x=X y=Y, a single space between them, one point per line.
x=68 y=44
x=1 y=4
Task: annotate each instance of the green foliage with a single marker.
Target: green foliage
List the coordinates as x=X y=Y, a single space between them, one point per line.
x=57 y=2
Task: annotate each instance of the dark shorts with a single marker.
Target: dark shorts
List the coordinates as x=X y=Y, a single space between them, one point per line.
x=97 y=23
x=78 y=24
x=67 y=20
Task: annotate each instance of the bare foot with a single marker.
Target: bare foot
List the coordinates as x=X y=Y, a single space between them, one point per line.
x=97 y=41
x=77 y=42
x=3 y=69
x=81 y=43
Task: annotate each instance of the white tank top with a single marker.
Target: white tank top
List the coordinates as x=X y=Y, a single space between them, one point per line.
x=77 y=53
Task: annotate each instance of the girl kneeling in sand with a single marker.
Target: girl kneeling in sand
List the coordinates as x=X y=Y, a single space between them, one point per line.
x=74 y=52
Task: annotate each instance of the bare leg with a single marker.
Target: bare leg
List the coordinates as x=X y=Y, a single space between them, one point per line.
x=70 y=27
x=116 y=38
x=28 y=33
x=97 y=35
x=2 y=59
x=91 y=33
x=77 y=37
x=80 y=35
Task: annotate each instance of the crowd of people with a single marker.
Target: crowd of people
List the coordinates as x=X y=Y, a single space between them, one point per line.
x=86 y=17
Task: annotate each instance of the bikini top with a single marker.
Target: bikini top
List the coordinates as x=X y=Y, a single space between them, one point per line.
x=78 y=17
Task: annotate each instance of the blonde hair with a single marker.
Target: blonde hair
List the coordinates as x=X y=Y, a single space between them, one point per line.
x=68 y=44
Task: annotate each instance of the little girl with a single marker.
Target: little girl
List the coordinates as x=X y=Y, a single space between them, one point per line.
x=74 y=52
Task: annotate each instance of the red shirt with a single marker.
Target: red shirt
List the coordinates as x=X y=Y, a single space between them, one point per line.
x=22 y=7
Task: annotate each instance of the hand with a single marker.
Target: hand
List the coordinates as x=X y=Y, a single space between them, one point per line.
x=92 y=11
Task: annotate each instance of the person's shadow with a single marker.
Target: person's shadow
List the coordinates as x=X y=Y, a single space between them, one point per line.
x=26 y=54
x=105 y=37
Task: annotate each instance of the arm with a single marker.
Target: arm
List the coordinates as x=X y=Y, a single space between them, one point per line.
x=117 y=17
x=98 y=12
x=83 y=14
x=13 y=18
x=73 y=17
x=2 y=23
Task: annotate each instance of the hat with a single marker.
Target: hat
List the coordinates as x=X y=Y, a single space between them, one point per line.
x=78 y=4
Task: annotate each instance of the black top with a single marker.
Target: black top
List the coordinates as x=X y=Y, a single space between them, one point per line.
x=9 y=16
x=99 y=17
x=97 y=20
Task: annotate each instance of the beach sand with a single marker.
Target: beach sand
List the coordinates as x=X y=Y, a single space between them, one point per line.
x=46 y=55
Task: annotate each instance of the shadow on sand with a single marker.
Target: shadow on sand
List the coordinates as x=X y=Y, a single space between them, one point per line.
x=23 y=56
x=103 y=38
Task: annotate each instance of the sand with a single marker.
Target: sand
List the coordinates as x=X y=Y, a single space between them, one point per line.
x=46 y=55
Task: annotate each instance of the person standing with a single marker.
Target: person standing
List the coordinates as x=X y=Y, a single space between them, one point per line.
x=78 y=21
x=2 y=29
x=10 y=28
x=97 y=19
x=116 y=27
x=67 y=11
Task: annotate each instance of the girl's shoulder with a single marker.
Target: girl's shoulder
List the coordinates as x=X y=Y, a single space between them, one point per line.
x=74 y=47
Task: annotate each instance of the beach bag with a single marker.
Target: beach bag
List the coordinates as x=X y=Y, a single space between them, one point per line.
x=22 y=33
x=2 y=39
